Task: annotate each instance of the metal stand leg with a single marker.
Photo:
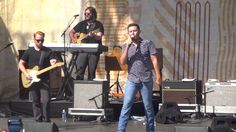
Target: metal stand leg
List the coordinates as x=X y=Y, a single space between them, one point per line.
x=117 y=83
x=66 y=90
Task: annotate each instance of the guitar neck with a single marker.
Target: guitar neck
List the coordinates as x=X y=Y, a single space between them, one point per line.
x=46 y=69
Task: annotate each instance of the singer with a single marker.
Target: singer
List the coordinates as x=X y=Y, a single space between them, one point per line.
x=140 y=56
x=87 y=31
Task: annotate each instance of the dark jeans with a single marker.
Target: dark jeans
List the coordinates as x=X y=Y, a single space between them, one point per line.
x=84 y=60
x=40 y=100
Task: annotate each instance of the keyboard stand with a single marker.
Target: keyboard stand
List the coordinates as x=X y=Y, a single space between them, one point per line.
x=66 y=91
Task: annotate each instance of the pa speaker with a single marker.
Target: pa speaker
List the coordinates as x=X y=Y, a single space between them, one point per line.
x=191 y=129
x=40 y=127
x=223 y=124
x=90 y=94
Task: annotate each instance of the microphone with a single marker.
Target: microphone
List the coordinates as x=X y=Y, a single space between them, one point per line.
x=76 y=15
x=208 y=91
x=91 y=98
x=10 y=44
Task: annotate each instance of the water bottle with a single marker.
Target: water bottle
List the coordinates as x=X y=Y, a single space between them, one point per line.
x=197 y=108
x=63 y=115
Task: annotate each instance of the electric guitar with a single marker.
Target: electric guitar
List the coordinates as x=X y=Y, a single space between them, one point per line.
x=81 y=36
x=34 y=72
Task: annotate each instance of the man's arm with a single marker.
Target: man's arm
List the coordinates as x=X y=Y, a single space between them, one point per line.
x=156 y=69
x=72 y=36
x=124 y=55
x=97 y=36
x=22 y=68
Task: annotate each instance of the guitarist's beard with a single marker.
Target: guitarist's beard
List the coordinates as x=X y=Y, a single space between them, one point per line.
x=90 y=20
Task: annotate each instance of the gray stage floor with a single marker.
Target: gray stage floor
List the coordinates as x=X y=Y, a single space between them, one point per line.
x=98 y=126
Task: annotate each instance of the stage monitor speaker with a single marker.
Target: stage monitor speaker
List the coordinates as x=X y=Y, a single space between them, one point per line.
x=191 y=129
x=40 y=127
x=182 y=92
x=223 y=124
x=90 y=94
x=169 y=113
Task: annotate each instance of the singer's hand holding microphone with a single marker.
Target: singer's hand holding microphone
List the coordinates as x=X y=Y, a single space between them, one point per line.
x=129 y=41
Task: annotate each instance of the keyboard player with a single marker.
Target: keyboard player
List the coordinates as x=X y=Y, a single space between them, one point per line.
x=87 y=31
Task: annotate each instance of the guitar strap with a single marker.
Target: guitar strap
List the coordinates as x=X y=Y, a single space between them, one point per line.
x=41 y=58
x=91 y=27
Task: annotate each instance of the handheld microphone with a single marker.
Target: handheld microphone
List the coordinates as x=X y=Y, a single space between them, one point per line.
x=76 y=15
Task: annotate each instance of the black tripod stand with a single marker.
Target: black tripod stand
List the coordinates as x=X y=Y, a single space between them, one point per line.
x=112 y=64
x=117 y=83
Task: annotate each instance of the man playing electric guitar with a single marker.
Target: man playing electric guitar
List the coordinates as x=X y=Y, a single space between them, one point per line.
x=42 y=57
x=93 y=31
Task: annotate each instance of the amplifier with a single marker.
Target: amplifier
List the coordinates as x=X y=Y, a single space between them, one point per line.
x=182 y=92
x=90 y=94
x=220 y=93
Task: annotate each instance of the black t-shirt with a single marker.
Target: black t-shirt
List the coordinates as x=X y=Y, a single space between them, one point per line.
x=32 y=58
x=83 y=27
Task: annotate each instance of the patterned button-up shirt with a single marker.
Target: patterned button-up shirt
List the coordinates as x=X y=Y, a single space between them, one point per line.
x=139 y=61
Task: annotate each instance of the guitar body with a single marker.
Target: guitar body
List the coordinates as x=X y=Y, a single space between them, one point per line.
x=81 y=36
x=33 y=73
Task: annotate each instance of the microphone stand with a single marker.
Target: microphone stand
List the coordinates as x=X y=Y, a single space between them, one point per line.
x=66 y=79
x=64 y=36
x=205 y=105
x=6 y=46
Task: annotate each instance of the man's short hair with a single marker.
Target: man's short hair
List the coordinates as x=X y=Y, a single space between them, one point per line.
x=40 y=33
x=133 y=24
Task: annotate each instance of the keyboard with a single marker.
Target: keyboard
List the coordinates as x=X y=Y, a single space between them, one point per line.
x=82 y=47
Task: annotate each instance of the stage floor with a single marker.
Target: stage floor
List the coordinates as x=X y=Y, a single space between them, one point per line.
x=20 y=108
x=98 y=126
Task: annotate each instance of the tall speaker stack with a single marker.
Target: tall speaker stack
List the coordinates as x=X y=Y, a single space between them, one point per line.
x=90 y=98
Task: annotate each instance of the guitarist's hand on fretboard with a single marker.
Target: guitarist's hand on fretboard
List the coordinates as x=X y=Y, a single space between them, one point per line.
x=91 y=34
x=53 y=61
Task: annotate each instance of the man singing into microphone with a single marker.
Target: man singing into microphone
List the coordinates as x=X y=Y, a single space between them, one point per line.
x=140 y=56
x=94 y=31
